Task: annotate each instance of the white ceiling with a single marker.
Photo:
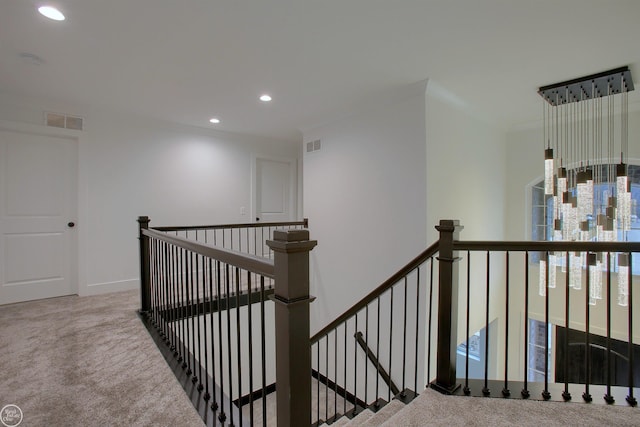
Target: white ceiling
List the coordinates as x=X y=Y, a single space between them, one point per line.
x=188 y=60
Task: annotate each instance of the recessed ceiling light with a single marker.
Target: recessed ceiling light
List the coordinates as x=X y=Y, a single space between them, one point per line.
x=265 y=98
x=214 y=120
x=51 y=13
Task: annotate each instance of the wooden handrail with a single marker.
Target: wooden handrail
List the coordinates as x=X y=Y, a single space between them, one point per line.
x=304 y=223
x=252 y=263
x=540 y=246
x=412 y=265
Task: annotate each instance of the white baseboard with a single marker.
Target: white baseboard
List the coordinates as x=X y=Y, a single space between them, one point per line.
x=108 y=287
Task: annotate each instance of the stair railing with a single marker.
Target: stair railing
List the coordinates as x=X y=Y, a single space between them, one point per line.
x=209 y=310
x=573 y=290
x=392 y=322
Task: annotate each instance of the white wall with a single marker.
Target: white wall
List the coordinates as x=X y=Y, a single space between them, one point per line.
x=466 y=170
x=131 y=166
x=365 y=200
x=466 y=176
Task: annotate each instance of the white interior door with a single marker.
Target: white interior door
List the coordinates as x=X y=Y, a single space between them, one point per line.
x=38 y=209
x=275 y=190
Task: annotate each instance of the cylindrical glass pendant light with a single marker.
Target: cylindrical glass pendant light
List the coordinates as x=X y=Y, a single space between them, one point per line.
x=585 y=194
x=548 y=171
x=623 y=280
x=595 y=278
x=576 y=261
x=624 y=197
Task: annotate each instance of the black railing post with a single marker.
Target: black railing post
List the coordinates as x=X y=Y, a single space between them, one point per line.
x=145 y=272
x=293 y=350
x=446 y=381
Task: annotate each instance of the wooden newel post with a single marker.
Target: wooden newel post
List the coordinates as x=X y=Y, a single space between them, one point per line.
x=145 y=273
x=446 y=381
x=293 y=350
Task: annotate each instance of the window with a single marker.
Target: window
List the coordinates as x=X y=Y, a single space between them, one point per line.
x=538 y=336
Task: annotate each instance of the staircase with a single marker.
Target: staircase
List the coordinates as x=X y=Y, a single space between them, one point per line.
x=211 y=309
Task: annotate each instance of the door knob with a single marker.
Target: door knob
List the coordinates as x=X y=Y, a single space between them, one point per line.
x=71 y=224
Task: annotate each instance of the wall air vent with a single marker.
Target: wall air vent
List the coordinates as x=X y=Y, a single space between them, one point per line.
x=313 y=146
x=64 y=121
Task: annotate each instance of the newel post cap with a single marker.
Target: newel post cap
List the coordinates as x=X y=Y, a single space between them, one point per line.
x=289 y=241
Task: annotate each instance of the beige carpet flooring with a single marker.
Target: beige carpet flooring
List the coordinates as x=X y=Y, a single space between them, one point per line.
x=87 y=362
x=90 y=362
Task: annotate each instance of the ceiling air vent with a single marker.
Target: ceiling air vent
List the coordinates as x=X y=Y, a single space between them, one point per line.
x=313 y=146
x=64 y=121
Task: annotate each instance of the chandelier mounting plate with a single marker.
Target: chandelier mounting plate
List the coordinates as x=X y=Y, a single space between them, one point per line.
x=593 y=86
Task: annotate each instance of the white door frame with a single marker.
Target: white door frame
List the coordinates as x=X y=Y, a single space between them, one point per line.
x=78 y=260
x=293 y=183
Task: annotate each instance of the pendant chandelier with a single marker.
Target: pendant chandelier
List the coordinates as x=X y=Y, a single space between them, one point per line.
x=586 y=185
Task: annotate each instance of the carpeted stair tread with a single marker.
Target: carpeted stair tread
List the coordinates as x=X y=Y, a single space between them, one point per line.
x=433 y=408
x=342 y=422
x=381 y=416
x=361 y=419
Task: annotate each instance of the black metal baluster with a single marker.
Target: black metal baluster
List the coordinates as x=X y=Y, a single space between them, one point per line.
x=404 y=342
x=586 y=396
x=188 y=312
x=466 y=389
x=200 y=386
x=221 y=416
x=250 y=330
x=545 y=393
x=326 y=385
x=163 y=287
x=228 y=340
x=214 y=403
x=355 y=370
x=390 y=346
x=154 y=277
x=608 y=397
x=318 y=386
x=176 y=302
x=206 y=395
x=565 y=394
x=174 y=298
x=525 y=391
x=366 y=364
x=238 y=344
x=194 y=314
x=505 y=390
x=255 y=241
x=430 y=323
x=264 y=350
x=167 y=298
x=417 y=337
x=485 y=389
x=631 y=400
x=184 y=303
x=162 y=290
x=335 y=373
x=377 y=403
x=167 y=289
x=169 y=308
x=344 y=396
